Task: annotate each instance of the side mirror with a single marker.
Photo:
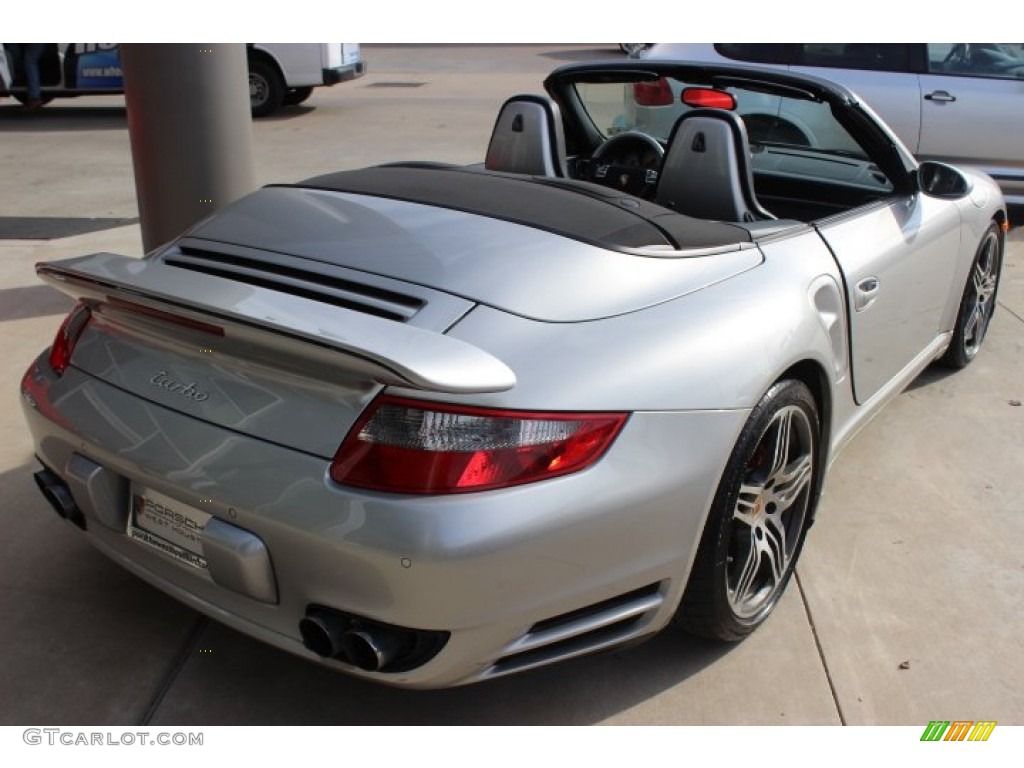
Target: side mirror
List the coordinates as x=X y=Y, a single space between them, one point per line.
x=941 y=180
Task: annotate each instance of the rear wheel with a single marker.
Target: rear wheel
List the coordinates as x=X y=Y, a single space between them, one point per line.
x=978 y=302
x=266 y=88
x=297 y=95
x=758 y=520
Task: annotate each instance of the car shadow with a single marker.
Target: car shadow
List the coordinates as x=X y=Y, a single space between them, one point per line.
x=933 y=374
x=287 y=113
x=58 y=118
x=231 y=679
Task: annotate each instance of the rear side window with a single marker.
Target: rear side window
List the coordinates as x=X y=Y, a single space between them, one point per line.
x=998 y=60
x=762 y=53
x=886 y=57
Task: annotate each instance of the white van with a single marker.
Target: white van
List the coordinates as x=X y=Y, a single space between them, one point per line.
x=280 y=74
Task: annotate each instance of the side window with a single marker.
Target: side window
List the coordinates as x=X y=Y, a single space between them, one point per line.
x=762 y=53
x=886 y=57
x=999 y=60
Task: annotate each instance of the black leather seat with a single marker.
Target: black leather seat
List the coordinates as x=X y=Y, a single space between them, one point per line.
x=528 y=138
x=706 y=173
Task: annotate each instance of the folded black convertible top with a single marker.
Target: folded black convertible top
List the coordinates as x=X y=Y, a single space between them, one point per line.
x=574 y=209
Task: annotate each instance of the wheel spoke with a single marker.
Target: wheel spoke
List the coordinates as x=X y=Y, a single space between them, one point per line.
x=791 y=481
x=780 y=453
x=774 y=547
x=978 y=277
x=986 y=288
x=971 y=328
x=751 y=566
x=746 y=502
x=990 y=284
x=983 y=319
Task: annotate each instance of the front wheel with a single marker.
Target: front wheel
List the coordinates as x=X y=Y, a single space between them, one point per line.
x=758 y=519
x=296 y=96
x=266 y=88
x=978 y=302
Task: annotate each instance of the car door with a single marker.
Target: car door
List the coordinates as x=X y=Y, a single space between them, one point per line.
x=898 y=259
x=971 y=108
x=880 y=73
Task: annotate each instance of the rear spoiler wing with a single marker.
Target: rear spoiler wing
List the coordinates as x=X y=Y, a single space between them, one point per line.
x=388 y=351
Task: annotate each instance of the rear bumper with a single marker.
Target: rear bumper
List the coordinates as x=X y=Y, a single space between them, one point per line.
x=344 y=74
x=498 y=570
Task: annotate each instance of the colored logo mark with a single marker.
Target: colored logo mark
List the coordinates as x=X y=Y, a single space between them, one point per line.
x=958 y=730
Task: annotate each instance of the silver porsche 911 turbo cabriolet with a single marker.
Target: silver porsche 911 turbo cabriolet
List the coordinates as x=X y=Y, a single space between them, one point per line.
x=430 y=425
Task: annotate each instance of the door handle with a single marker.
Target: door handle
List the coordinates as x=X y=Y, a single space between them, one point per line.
x=865 y=293
x=940 y=96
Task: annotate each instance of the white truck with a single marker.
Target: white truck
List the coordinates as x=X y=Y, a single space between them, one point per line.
x=280 y=74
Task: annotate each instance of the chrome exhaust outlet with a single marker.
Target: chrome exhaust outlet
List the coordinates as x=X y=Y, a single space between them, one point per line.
x=366 y=644
x=322 y=634
x=371 y=648
x=56 y=492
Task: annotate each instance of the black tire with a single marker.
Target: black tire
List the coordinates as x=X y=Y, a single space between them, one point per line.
x=297 y=95
x=23 y=98
x=978 y=303
x=266 y=88
x=758 y=520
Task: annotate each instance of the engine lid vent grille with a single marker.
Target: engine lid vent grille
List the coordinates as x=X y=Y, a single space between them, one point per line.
x=294 y=276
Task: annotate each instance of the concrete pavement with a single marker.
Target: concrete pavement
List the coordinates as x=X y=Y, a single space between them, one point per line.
x=914 y=561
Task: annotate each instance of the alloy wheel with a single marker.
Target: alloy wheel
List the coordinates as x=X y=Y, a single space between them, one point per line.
x=984 y=278
x=768 y=518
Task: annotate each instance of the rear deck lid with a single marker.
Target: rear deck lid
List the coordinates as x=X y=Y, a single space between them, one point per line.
x=538 y=250
x=291 y=356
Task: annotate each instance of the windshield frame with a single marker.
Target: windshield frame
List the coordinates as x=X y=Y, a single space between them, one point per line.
x=880 y=144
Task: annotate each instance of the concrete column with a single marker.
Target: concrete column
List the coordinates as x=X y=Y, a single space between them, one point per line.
x=190 y=131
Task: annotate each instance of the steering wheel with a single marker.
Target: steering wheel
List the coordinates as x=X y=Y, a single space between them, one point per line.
x=629 y=162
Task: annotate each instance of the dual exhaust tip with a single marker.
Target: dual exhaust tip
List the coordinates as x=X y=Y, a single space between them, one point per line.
x=56 y=492
x=372 y=648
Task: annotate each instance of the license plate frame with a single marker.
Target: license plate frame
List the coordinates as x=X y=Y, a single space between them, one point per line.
x=168 y=525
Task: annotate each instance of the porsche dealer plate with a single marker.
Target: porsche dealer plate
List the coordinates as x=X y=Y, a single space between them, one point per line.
x=168 y=525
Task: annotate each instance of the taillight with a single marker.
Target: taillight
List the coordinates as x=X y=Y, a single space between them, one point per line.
x=655 y=94
x=67 y=336
x=411 y=446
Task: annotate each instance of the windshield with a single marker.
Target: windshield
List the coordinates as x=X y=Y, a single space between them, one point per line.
x=653 y=106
